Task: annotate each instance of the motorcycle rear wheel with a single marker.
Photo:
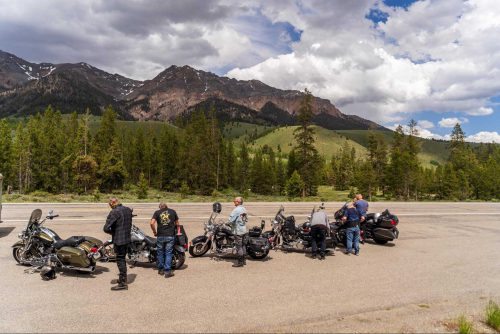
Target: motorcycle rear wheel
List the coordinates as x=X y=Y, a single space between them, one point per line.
x=198 y=249
x=380 y=241
x=178 y=260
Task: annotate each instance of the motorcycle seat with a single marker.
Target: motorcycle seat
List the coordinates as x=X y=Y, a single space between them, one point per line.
x=70 y=242
x=150 y=240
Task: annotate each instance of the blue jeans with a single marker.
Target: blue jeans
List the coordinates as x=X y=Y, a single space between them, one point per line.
x=164 y=248
x=352 y=236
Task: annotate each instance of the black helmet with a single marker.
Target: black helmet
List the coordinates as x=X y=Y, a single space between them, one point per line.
x=47 y=273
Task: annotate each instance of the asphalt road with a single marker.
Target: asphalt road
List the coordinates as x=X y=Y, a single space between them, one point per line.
x=444 y=264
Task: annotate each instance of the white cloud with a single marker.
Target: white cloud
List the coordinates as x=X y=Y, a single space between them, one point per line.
x=482 y=111
x=435 y=55
x=484 y=137
x=421 y=132
x=451 y=122
x=424 y=124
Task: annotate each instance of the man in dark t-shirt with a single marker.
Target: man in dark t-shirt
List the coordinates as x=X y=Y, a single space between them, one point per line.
x=163 y=224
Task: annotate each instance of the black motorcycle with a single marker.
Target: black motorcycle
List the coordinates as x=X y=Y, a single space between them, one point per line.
x=380 y=227
x=219 y=239
x=143 y=249
x=287 y=236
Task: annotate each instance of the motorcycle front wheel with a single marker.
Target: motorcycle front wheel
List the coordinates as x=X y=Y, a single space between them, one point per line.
x=16 y=253
x=258 y=255
x=199 y=249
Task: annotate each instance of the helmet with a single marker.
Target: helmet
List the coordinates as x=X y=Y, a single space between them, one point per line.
x=47 y=273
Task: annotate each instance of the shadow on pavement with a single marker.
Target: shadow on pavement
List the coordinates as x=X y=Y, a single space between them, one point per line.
x=5 y=231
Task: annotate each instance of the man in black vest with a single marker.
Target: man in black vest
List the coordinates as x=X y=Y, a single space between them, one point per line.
x=119 y=225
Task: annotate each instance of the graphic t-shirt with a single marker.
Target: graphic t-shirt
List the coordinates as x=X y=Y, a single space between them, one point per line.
x=165 y=220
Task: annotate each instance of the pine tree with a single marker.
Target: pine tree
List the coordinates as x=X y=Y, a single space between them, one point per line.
x=142 y=187
x=294 y=185
x=112 y=172
x=6 y=152
x=85 y=173
x=308 y=160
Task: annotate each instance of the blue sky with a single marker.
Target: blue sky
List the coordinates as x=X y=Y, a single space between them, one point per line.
x=435 y=61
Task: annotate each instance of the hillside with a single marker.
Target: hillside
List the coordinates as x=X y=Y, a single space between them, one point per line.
x=329 y=142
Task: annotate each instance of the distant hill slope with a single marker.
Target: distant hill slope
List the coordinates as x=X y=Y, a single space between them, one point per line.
x=329 y=142
x=27 y=88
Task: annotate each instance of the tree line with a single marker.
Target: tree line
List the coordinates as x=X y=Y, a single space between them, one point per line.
x=57 y=154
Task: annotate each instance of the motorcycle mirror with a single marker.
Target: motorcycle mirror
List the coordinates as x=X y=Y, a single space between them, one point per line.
x=217 y=207
x=262 y=224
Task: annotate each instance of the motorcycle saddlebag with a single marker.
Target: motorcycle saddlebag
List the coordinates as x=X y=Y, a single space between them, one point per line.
x=387 y=221
x=73 y=256
x=384 y=234
x=257 y=244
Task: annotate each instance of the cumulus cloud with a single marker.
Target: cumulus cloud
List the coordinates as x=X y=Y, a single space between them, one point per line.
x=485 y=137
x=421 y=132
x=482 y=111
x=141 y=38
x=434 y=55
x=451 y=122
x=424 y=124
x=442 y=56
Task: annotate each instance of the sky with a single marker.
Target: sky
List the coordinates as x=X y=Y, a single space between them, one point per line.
x=390 y=61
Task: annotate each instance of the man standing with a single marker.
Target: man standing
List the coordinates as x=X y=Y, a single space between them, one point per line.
x=351 y=218
x=319 y=230
x=166 y=220
x=237 y=220
x=362 y=206
x=119 y=225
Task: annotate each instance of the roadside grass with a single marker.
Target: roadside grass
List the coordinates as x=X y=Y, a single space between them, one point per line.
x=493 y=315
x=325 y=194
x=464 y=325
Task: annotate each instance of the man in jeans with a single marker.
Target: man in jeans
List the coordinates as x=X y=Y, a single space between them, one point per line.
x=351 y=219
x=163 y=223
x=362 y=206
x=237 y=220
x=119 y=225
x=319 y=230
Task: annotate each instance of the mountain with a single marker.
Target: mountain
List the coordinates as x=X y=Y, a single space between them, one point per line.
x=26 y=88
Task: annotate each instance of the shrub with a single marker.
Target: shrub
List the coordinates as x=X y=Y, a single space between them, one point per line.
x=464 y=325
x=493 y=315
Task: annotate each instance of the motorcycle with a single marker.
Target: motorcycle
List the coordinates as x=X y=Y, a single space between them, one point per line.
x=143 y=249
x=219 y=239
x=42 y=247
x=286 y=235
x=380 y=227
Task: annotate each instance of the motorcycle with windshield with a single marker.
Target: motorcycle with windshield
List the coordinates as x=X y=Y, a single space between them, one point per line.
x=40 y=247
x=380 y=227
x=287 y=236
x=219 y=239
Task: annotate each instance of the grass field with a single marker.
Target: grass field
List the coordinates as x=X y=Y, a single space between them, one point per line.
x=325 y=193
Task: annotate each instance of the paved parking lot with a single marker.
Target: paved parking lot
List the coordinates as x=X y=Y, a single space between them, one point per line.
x=444 y=264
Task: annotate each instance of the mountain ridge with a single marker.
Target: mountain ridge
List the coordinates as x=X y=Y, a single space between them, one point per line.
x=177 y=91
